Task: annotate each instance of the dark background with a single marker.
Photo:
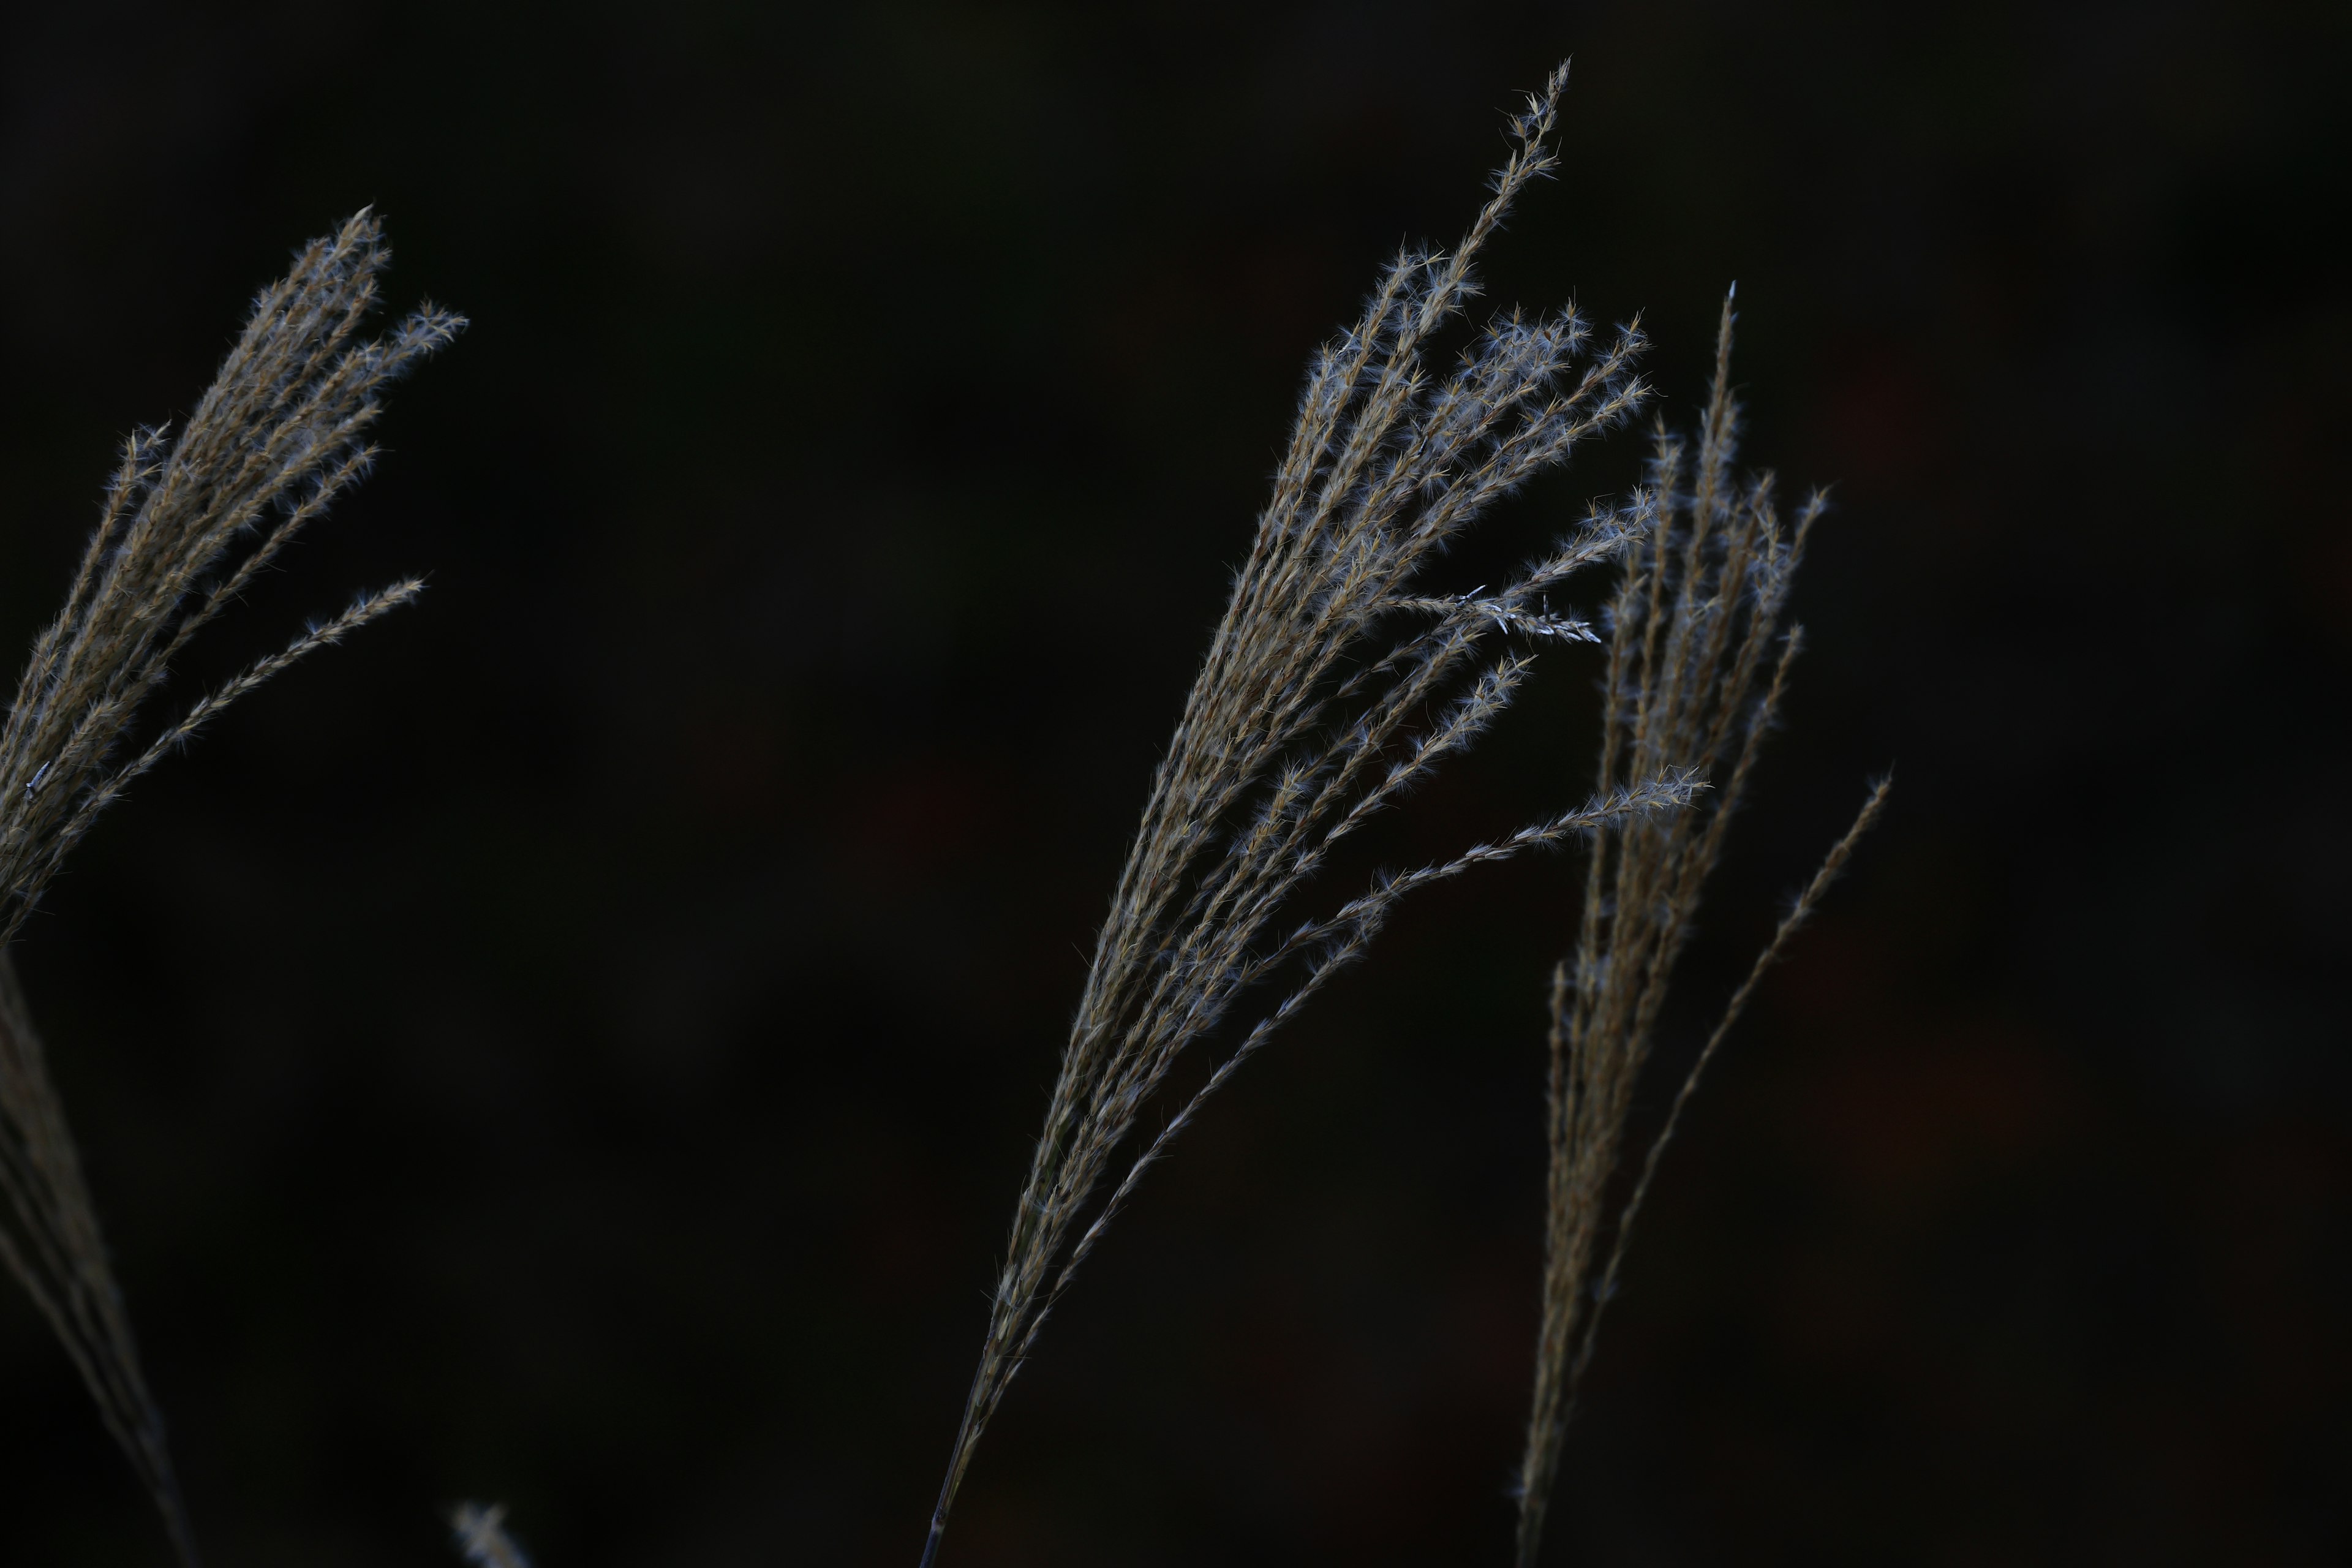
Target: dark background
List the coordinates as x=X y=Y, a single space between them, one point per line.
x=578 y=1044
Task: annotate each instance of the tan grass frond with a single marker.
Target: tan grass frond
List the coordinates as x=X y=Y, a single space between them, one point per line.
x=186 y=527
x=1296 y=732
x=481 y=1537
x=1698 y=664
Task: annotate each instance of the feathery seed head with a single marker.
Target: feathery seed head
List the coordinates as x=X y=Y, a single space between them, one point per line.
x=1698 y=664
x=185 y=525
x=1294 y=732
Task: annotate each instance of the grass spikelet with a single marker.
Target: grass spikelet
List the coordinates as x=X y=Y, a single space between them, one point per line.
x=186 y=526
x=1698 y=663
x=1295 y=732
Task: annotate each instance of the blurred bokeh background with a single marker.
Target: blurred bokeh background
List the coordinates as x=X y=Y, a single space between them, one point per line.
x=578 y=1044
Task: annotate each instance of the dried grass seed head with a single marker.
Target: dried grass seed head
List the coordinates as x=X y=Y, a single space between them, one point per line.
x=1699 y=654
x=185 y=525
x=1292 y=736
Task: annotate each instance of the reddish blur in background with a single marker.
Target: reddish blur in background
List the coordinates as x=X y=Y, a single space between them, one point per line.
x=578 y=1044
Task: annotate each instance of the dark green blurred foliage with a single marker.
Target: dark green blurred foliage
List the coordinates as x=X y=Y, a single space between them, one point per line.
x=577 y=1044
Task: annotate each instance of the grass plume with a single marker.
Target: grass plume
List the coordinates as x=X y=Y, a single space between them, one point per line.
x=186 y=527
x=1312 y=711
x=1698 y=664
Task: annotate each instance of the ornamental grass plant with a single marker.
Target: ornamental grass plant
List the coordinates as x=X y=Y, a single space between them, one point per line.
x=1307 y=716
x=1337 y=680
